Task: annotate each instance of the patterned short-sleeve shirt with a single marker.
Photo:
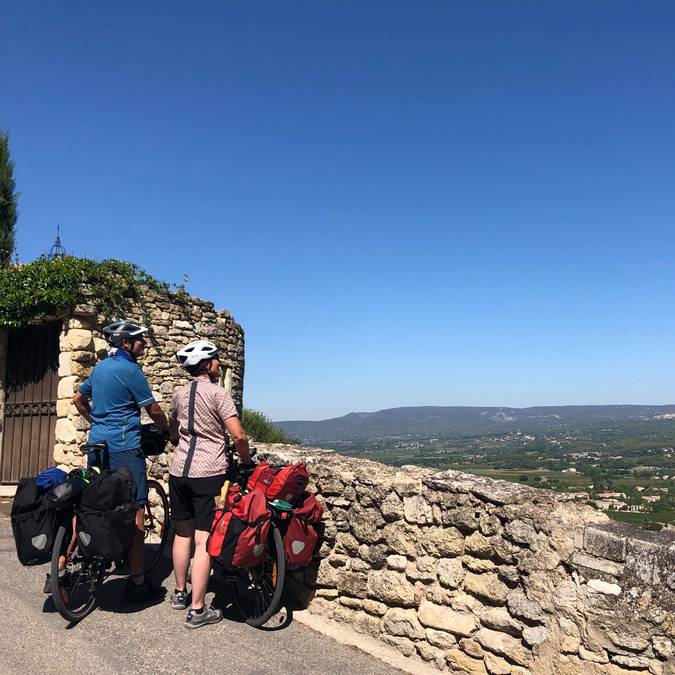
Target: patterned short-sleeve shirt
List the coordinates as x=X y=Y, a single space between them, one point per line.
x=213 y=405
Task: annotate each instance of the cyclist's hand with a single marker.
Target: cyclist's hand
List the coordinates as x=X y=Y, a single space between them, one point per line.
x=245 y=471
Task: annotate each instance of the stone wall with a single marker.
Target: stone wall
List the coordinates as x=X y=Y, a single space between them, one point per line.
x=174 y=325
x=481 y=576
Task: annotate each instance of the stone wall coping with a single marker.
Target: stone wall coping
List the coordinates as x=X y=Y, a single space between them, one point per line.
x=665 y=538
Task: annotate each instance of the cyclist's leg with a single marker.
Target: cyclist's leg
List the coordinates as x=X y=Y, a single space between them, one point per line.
x=182 y=516
x=201 y=569
x=182 y=551
x=205 y=491
x=134 y=460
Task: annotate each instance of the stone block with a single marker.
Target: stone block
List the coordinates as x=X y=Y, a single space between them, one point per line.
x=64 y=365
x=504 y=645
x=459 y=661
x=465 y=518
x=444 y=618
x=522 y=608
x=401 y=539
x=398 y=563
x=327 y=575
x=478 y=545
x=595 y=657
x=471 y=647
x=634 y=662
x=64 y=407
x=535 y=636
x=352 y=603
x=374 y=607
x=463 y=602
x=76 y=339
x=441 y=542
x=663 y=647
x=440 y=639
x=66 y=432
x=580 y=559
x=404 y=623
x=391 y=587
x=486 y=586
x=498 y=618
x=403 y=644
x=496 y=665
x=417 y=510
x=422 y=569
x=392 y=507
x=375 y=555
x=428 y=653
x=604 y=544
x=478 y=565
x=368 y=624
x=66 y=387
x=364 y=524
x=450 y=572
x=520 y=532
x=604 y=587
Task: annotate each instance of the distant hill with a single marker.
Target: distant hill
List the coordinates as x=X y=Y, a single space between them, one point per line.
x=448 y=421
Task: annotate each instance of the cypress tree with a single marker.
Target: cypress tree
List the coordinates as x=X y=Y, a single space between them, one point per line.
x=8 y=202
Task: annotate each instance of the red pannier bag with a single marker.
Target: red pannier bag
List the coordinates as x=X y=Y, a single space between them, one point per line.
x=240 y=531
x=301 y=535
x=286 y=482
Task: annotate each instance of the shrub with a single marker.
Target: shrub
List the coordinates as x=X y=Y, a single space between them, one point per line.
x=260 y=428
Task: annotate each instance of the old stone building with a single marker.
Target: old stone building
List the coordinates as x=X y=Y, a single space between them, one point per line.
x=43 y=363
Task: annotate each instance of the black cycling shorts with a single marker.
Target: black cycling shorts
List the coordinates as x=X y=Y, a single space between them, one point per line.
x=194 y=499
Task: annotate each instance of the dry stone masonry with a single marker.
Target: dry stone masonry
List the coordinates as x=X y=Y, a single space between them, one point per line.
x=174 y=324
x=480 y=576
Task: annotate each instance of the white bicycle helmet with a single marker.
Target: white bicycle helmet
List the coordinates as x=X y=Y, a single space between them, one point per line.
x=196 y=352
x=123 y=330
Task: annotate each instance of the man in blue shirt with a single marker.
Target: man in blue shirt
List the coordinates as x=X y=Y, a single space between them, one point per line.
x=111 y=399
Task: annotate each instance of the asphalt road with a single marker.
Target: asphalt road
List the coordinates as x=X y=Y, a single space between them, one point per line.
x=118 y=638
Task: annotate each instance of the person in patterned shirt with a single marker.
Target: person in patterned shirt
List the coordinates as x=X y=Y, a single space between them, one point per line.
x=203 y=415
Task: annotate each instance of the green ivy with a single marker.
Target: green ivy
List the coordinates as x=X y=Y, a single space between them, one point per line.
x=47 y=287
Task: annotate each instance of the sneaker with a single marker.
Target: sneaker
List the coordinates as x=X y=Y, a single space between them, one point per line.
x=141 y=592
x=209 y=615
x=64 y=575
x=179 y=599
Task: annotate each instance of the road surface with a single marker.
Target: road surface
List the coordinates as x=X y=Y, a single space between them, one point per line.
x=118 y=638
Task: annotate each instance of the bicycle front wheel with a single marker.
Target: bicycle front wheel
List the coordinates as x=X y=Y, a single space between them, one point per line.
x=257 y=591
x=74 y=589
x=156 y=525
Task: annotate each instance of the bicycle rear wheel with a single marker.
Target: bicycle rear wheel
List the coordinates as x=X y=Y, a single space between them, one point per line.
x=74 y=593
x=257 y=591
x=156 y=524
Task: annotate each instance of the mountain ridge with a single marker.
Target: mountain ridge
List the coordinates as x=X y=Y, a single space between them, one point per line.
x=414 y=421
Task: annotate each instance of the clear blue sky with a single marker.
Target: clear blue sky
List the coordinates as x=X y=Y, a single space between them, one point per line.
x=403 y=203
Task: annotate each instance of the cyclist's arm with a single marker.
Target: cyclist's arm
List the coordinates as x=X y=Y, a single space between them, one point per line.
x=239 y=438
x=173 y=430
x=157 y=416
x=82 y=405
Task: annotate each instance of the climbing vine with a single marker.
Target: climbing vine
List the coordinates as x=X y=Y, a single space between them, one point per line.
x=46 y=288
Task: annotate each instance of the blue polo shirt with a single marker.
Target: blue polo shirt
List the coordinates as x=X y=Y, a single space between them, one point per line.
x=118 y=390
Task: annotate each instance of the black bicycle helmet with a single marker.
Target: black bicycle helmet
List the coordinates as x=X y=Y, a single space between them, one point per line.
x=123 y=330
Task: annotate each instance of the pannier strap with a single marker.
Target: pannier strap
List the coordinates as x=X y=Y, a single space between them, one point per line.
x=191 y=429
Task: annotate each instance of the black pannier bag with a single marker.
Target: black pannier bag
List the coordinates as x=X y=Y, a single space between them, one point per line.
x=67 y=494
x=106 y=515
x=153 y=440
x=34 y=524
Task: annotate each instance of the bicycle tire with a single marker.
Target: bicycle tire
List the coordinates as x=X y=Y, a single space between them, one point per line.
x=152 y=549
x=90 y=576
x=251 y=590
